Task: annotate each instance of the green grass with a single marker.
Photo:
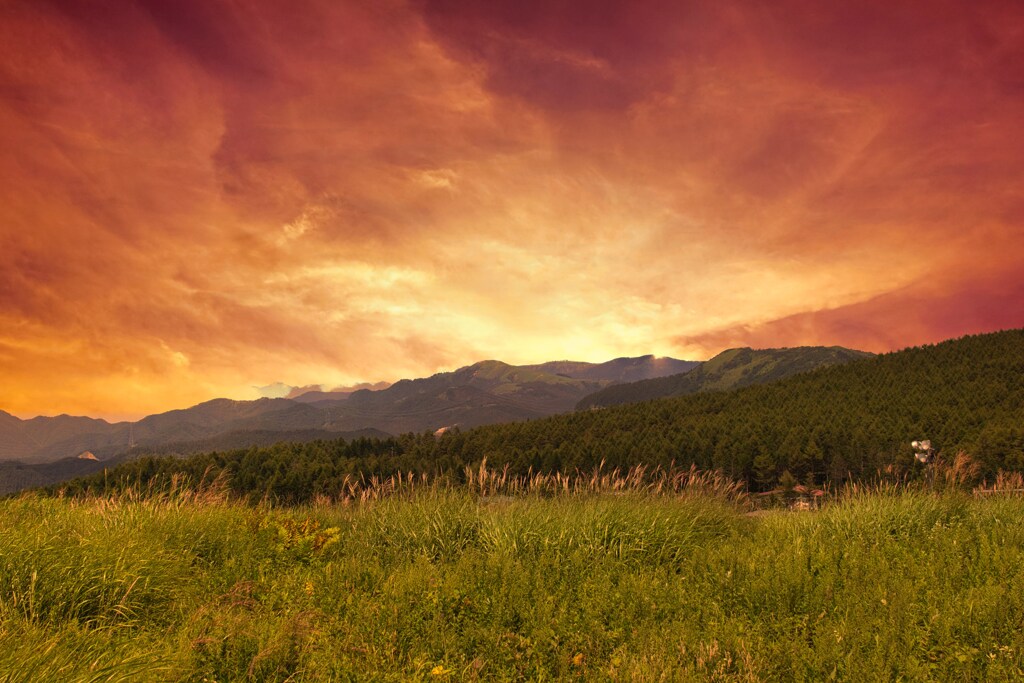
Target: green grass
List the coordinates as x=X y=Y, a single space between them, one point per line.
x=445 y=585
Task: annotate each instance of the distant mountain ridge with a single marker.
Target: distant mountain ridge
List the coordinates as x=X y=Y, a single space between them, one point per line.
x=730 y=369
x=312 y=395
x=23 y=438
x=488 y=392
x=619 y=369
x=483 y=393
x=850 y=421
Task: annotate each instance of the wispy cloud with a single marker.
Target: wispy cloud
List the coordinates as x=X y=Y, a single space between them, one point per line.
x=199 y=200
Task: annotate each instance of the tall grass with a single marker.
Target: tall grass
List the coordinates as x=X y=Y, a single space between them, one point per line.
x=484 y=481
x=602 y=576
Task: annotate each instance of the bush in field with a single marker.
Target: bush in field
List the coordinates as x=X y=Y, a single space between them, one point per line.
x=302 y=540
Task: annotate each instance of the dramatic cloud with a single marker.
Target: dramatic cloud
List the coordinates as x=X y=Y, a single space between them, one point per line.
x=204 y=197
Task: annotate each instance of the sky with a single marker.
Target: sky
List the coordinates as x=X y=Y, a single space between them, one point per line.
x=201 y=198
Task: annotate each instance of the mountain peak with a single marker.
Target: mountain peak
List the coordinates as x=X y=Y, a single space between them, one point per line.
x=489 y=365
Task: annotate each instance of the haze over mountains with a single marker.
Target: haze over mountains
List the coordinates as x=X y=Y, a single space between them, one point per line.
x=483 y=393
x=318 y=393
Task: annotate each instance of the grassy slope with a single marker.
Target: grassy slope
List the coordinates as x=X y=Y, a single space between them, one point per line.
x=730 y=369
x=445 y=587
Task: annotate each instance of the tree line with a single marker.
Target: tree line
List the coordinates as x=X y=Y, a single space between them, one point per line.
x=830 y=425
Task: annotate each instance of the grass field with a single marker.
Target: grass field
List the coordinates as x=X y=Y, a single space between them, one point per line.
x=446 y=585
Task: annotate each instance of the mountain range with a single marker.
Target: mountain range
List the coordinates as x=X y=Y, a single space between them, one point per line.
x=484 y=393
x=43 y=450
x=850 y=421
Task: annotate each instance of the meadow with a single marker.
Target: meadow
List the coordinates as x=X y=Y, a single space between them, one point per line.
x=493 y=582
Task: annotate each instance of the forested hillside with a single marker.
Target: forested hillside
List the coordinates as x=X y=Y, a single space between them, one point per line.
x=834 y=423
x=730 y=369
x=15 y=476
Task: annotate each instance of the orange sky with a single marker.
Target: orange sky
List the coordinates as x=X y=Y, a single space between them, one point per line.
x=201 y=197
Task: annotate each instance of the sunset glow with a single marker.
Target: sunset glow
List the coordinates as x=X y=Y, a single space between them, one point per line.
x=204 y=197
